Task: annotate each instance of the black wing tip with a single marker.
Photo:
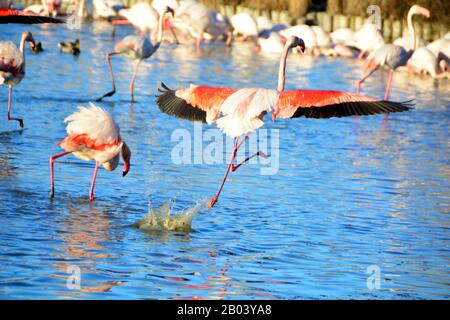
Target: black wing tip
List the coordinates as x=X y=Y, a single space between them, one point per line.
x=354 y=108
x=172 y=105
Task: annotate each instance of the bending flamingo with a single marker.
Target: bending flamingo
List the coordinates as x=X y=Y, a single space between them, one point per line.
x=12 y=66
x=136 y=48
x=391 y=55
x=17 y=16
x=243 y=109
x=93 y=135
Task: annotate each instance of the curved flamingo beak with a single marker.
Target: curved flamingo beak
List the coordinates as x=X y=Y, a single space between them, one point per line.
x=126 y=156
x=126 y=168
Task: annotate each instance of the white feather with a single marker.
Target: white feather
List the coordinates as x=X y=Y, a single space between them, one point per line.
x=244 y=109
x=94 y=121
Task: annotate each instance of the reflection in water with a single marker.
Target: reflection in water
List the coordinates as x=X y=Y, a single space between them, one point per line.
x=82 y=235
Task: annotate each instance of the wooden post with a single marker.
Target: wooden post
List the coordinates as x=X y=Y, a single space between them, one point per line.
x=275 y=16
x=427 y=34
x=359 y=23
x=319 y=16
x=327 y=23
x=285 y=18
x=265 y=13
x=387 y=30
x=396 y=29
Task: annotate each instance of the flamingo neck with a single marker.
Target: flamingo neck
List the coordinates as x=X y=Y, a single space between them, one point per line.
x=22 y=46
x=282 y=69
x=160 y=29
x=412 y=32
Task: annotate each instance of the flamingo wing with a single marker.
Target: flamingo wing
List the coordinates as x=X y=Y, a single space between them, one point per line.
x=328 y=103
x=197 y=103
x=17 y=16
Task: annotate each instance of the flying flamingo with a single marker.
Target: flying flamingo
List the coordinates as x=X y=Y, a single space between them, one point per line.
x=243 y=109
x=93 y=135
x=136 y=48
x=12 y=66
x=391 y=55
x=17 y=16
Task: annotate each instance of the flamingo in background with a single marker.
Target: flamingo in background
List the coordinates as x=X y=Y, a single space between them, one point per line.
x=193 y=18
x=136 y=48
x=244 y=24
x=12 y=66
x=143 y=17
x=93 y=135
x=17 y=16
x=391 y=55
x=243 y=109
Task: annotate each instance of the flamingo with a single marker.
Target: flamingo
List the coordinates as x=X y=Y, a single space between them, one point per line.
x=243 y=109
x=244 y=24
x=194 y=18
x=304 y=32
x=368 y=39
x=12 y=66
x=423 y=60
x=391 y=55
x=273 y=44
x=136 y=48
x=47 y=8
x=93 y=135
x=342 y=35
x=17 y=16
x=160 y=5
x=143 y=17
x=106 y=9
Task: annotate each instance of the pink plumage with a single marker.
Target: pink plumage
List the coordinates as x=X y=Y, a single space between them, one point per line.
x=92 y=134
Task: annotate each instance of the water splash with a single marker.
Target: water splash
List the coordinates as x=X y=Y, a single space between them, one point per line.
x=163 y=219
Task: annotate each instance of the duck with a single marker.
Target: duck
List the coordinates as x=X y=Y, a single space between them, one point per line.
x=70 y=47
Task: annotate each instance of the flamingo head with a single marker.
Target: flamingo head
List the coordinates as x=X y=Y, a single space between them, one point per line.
x=416 y=9
x=126 y=156
x=27 y=36
x=295 y=42
x=167 y=22
x=169 y=10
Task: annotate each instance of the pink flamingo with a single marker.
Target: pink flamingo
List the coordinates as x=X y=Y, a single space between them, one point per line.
x=243 y=110
x=17 y=16
x=93 y=135
x=391 y=55
x=12 y=66
x=136 y=48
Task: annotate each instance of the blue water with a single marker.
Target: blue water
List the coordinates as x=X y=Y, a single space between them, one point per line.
x=350 y=194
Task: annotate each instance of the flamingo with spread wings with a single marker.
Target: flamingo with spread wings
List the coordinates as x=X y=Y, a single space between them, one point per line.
x=237 y=112
x=18 y=16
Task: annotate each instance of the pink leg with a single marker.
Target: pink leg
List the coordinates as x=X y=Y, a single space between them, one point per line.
x=198 y=40
x=133 y=79
x=91 y=192
x=358 y=87
x=108 y=62
x=8 y=117
x=259 y=153
x=233 y=155
x=361 y=54
x=237 y=145
x=52 y=176
x=388 y=86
